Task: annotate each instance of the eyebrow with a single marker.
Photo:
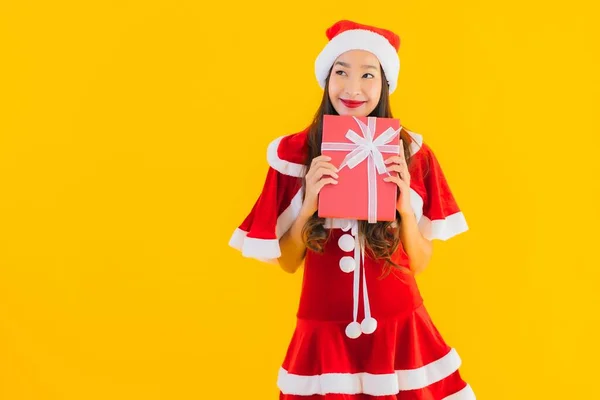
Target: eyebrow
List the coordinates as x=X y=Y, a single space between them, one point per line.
x=343 y=64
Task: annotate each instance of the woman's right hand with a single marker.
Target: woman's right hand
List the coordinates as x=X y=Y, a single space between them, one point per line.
x=320 y=173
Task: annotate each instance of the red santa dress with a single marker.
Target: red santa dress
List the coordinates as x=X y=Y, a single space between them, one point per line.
x=358 y=335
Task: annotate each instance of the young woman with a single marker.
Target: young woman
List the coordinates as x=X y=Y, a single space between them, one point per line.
x=362 y=329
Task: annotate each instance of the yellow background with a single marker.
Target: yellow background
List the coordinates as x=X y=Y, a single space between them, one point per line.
x=132 y=143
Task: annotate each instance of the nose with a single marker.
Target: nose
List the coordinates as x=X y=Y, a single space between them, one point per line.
x=352 y=87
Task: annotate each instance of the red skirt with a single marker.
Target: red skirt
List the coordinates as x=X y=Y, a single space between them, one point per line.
x=404 y=359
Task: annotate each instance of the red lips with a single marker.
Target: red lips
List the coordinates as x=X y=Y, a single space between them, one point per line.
x=352 y=103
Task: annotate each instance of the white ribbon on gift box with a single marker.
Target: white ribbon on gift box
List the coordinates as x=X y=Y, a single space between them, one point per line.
x=362 y=148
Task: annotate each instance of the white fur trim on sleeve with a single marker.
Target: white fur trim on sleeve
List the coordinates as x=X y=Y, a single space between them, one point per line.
x=281 y=165
x=268 y=250
x=443 y=229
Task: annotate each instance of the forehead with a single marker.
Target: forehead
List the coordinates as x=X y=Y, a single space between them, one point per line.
x=358 y=58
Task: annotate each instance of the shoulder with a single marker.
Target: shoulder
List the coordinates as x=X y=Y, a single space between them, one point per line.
x=422 y=154
x=287 y=154
x=415 y=141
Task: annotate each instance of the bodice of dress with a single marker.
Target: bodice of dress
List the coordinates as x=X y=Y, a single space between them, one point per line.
x=346 y=284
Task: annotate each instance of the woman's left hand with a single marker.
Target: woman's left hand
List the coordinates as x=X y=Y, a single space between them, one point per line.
x=402 y=179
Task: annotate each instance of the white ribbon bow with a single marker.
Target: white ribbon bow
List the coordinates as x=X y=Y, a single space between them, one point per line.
x=365 y=147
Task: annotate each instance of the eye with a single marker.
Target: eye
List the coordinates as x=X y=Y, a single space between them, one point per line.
x=340 y=72
x=372 y=76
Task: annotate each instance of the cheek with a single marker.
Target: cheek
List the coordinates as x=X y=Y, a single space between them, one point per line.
x=374 y=90
x=334 y=87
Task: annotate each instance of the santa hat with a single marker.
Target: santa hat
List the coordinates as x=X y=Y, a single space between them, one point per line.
x=347 y=35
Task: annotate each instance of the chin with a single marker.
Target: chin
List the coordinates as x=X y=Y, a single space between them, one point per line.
x=357 y=113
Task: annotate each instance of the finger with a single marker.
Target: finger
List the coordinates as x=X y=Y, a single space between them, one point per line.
x=324 y=171
x=319 y=159
x=396 y=168
x=321 y=174
x=401 y=184
x=326 y=181
x=395 y=179
x=326 y=165
x=323 y=164
x=405 y=177
x=319 y=164
x=393 y=159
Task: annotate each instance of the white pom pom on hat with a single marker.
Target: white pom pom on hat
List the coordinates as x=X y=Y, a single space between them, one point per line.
x=348 y=35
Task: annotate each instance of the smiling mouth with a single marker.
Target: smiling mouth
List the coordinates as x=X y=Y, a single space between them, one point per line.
x=352 y=103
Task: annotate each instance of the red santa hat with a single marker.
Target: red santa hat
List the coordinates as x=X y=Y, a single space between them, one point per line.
x=347 y=35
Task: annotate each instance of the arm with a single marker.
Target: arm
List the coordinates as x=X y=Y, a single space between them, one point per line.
x=292 y=246
x=418 y=249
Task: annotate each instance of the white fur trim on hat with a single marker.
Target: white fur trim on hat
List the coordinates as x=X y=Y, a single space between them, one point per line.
x=359 y=39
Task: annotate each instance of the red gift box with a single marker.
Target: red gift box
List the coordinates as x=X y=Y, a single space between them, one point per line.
x=358 y=147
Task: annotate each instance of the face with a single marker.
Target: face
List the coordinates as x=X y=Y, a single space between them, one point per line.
x=355 y=83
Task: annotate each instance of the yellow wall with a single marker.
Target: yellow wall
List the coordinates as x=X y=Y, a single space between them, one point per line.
x=132 y=143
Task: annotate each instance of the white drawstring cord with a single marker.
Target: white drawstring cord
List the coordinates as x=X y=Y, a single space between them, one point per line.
x=369 y=324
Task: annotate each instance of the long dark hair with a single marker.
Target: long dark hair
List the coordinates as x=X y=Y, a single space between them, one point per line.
x=381 y=238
